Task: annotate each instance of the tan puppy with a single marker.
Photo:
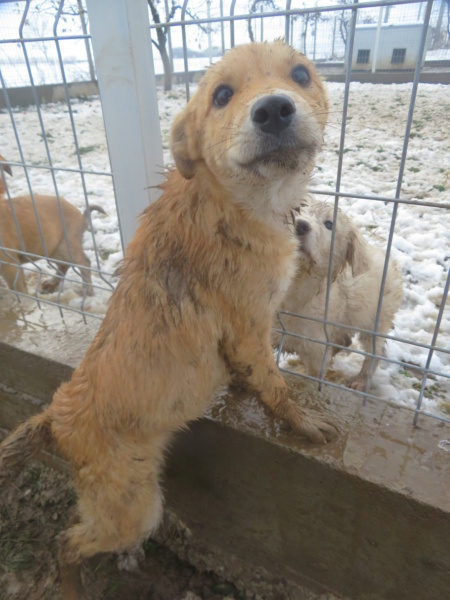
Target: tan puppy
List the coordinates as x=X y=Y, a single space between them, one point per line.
x=59 y=245
x=354 y=293
x=198 y=290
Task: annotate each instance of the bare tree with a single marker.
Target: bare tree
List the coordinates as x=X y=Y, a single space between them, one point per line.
x=344 y=20
x=346 y=16
x=162 y=34
x=70 y=13
x=440 y=36
x=310 y=18
x=253 y=8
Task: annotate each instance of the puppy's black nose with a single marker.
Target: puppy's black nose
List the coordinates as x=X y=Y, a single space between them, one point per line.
x=302 y=227
x=272 y=114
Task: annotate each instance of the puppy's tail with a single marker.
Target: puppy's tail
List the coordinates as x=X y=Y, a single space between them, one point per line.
x=24 y=443
x=3 y=167
x=89 y=210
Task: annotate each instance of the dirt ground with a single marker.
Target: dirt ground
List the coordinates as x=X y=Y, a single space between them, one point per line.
x=34 y=509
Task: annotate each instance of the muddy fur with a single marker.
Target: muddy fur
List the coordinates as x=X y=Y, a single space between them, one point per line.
x=198 y=289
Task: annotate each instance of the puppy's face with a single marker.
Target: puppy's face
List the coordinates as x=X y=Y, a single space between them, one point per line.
x=258 y=116
x=314 y=225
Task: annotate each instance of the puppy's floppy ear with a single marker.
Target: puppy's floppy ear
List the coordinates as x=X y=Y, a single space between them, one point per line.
x=357 y=256
x=185 y=143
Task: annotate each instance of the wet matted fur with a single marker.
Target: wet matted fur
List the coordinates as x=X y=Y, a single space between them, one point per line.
x=199 y=285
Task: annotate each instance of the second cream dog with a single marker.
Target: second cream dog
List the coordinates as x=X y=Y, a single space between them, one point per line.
x=354 y=293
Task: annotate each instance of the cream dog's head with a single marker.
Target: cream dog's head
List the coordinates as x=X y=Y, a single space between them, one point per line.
x=314 y=225
x=257 y=118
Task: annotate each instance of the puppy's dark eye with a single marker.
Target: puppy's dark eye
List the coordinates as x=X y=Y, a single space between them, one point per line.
x=328 y=224
x=300 y=75
x=222 y=95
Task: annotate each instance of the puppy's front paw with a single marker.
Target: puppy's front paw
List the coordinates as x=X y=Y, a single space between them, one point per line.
x=312 y=425
x=357 y=383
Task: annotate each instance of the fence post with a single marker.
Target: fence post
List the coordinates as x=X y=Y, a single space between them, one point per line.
x=120 y=31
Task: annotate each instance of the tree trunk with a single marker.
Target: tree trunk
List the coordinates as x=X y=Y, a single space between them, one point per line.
x=167 y=68
x=250 y=30
x=161 y=45
x=343 y=28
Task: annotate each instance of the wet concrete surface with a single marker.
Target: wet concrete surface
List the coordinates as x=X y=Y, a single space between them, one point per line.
x=38 y=348
x=377 y=442
x=367 y=515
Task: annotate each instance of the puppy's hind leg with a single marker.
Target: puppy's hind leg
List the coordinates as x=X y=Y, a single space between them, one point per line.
x=13 y=276
x=361 y=382
x=117 y=509
x=82 y=259
x=51 y=284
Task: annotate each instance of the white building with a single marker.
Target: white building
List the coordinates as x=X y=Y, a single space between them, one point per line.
x=387 y=46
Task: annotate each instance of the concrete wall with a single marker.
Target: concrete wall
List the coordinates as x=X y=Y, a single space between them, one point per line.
x=439 y=73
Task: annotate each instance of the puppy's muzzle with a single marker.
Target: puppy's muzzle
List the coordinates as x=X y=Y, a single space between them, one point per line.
x=273 y=114
x=302 y=227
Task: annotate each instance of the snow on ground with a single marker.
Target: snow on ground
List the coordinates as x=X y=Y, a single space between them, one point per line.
x=376 y=123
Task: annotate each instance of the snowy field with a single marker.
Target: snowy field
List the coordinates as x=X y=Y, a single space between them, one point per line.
x=376 y=123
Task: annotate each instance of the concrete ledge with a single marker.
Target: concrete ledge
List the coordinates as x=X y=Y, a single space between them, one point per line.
x=367 y=516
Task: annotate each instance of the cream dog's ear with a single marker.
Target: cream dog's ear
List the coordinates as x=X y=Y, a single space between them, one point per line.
x=357 y=256
x=185 y=143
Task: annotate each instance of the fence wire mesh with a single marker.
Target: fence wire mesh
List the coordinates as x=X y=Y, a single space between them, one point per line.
x=58 y=149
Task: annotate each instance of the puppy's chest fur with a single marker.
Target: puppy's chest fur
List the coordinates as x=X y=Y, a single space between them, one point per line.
x=255 y=265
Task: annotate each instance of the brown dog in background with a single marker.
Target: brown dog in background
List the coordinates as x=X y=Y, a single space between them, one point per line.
x=58 y=242
x=354 y=291
x=199 y=286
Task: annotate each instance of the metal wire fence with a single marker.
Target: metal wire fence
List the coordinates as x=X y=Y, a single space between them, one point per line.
x=50 y=42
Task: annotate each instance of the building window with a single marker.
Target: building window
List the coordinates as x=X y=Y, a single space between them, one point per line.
x=398 y=56
x=363 y=57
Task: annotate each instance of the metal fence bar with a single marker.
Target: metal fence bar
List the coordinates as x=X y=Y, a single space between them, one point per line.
x=50 y=261
x=366 y=396
x=287 y=21
x=350 y=40
x=385 y=336
x=185 y=57
x=231 y=18
x=401 y=172
x=59 y=169
x=44 y=137
x=380 y=357
x=77 y=151
x=427 y=369
x=381 y=199
x=55 y=260
x=126 y=78
x=19 y=146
